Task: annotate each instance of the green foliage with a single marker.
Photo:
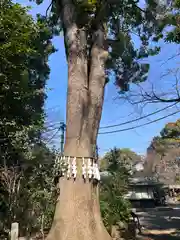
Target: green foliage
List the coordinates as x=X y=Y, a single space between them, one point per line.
x=28 y=194
x=24 y=50
x=121 y=22
x=177 y=179
x=26 y=189
x=169 y=137
x=114 y=207
x=168 y=24
x=171 y=130
x=32 y=195
x=119 y=156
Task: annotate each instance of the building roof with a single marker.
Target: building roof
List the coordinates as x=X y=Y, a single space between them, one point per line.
x=143 y=181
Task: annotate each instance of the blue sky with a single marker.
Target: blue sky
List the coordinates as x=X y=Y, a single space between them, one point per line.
x=115 y=110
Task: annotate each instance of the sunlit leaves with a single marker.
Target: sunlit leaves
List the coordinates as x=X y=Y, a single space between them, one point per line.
x=168 y=26
x=171 y=130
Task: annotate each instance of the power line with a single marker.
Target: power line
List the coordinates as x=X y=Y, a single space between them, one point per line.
x=125 y=129
x=124 y=123
x=119 y=124
x=137 y=119
x=145 y=124
x=50 y=140
x=50 y=130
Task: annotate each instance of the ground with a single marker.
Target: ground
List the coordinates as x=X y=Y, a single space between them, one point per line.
x=162 y=223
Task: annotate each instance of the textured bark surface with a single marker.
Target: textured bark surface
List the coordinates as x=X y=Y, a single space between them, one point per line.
x=77 y=214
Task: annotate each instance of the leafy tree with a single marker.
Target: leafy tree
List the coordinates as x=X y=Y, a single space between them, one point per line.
x=114 y=207
x=168 y=23
x=124 y=155
x=171 y=131
x=167 y=30
x=98 y=42
x=163 y=154
x=28 y=196
x=169 y=138
x=25 y=47
x=24 y=51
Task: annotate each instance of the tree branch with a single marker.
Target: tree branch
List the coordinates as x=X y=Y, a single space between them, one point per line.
x=165 y=100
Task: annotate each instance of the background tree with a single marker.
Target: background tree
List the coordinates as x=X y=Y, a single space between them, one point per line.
x=28 y=195
x=26 y=190
x=169 y=17
x=171 y=132
x=25 y=47
x=98 y=42
x=163 y=154
x=124 y=155
x=168 y=30
x=114 y=207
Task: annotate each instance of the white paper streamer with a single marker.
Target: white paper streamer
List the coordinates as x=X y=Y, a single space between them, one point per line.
x=74 y=168
x=69 y=168
x=84 y=169
x=90 y=168
x=96 y=174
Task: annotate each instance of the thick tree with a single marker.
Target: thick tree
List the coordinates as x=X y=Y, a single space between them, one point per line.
x=98 y=42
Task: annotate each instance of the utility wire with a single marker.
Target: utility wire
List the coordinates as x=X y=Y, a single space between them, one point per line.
x=137 y=119
x=125 y=129
x=50 y=139
x=50 y=129
x=145 y=124
x=119 y=124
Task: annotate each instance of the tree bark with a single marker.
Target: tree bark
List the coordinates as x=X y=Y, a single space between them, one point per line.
x=77 y=95
x=77 y=214
x=97 y=81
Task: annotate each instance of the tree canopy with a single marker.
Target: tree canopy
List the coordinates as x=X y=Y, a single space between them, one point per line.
x=118 y=156
x=163 y=154
x=167 y=29
x=171 y=131
x=169 y=138
x=168 y=23
x=121 y=21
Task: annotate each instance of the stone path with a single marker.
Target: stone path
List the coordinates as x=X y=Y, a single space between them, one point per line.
x=161 y=223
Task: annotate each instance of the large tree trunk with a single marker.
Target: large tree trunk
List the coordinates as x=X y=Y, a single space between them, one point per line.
x=77 y=214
